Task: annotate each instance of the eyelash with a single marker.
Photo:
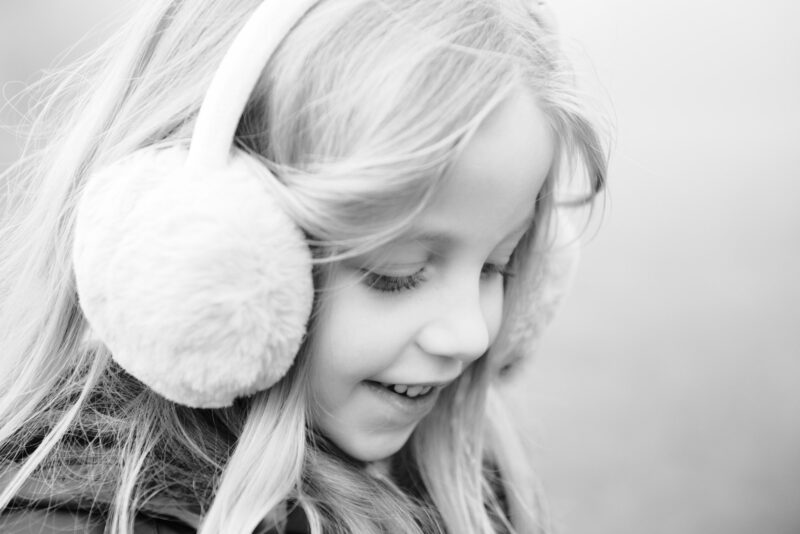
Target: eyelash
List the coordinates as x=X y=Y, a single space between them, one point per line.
x=393 y=284
x=493 y=268
x=387 y=283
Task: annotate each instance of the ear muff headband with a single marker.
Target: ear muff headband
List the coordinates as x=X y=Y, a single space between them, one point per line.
x=186 y=266
x=237 y=75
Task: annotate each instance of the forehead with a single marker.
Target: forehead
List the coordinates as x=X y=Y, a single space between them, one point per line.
x=492 y=186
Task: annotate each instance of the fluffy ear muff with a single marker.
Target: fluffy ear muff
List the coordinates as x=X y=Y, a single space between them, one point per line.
x=543 y=288
x=187 y=268
x=198 y=283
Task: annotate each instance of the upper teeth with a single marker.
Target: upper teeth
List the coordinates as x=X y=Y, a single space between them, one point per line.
x=409 y=391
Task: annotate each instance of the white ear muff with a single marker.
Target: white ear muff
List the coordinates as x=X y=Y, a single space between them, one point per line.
x=186 y=266
x=542 y=292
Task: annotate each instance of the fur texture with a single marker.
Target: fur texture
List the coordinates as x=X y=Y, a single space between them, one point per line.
x=197 y=281
x=545 y=287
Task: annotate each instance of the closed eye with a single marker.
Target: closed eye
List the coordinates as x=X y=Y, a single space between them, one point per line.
x=390 y=283
x=492 y=269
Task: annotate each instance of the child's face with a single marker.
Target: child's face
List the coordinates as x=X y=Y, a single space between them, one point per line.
x=430 y=302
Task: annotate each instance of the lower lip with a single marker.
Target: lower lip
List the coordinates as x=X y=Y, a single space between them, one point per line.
x=413 y=408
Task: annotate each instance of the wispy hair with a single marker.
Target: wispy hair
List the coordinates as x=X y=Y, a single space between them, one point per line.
x=360 y=115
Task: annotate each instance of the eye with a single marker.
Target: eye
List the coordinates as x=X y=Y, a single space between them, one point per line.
x=390 y=283
x=491 y=270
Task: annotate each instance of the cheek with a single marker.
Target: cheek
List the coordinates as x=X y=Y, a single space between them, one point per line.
x=348 y=342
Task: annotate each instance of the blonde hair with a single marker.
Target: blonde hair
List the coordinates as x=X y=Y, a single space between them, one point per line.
x=360 y=113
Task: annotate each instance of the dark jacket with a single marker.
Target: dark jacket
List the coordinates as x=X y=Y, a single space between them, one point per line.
x=31 y=519
x=64 y=521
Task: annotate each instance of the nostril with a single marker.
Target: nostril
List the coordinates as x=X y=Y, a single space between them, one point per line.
x=449 y=340
x=463 y=322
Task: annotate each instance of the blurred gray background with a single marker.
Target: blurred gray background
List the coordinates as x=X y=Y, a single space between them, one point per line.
x=666 y=398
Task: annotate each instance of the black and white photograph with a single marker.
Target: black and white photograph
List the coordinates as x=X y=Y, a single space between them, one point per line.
x=399 y=267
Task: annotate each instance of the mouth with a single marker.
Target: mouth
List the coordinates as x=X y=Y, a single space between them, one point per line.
x=406 y=390
x=407 y=402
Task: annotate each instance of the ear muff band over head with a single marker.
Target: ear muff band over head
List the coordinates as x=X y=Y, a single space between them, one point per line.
x=186 y=266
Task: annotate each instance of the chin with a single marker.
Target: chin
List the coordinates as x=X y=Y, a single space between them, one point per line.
x=371 y=446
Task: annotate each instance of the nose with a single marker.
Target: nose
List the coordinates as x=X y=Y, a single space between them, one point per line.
x=458 y=326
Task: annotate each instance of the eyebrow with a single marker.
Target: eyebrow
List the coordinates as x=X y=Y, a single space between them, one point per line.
x=445 y=237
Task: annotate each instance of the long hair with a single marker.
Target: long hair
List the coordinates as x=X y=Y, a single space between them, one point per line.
x=360 y=114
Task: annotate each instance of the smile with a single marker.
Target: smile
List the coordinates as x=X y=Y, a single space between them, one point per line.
x=406 y=390
x=403 y=408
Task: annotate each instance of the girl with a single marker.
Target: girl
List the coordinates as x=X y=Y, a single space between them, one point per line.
x=300 y=327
